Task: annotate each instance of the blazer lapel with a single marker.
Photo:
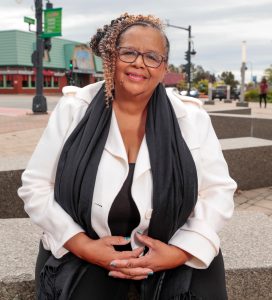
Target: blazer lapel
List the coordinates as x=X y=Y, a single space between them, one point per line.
x=114 y=143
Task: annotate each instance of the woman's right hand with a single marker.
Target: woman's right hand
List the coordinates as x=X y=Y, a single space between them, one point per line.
x=101 y=252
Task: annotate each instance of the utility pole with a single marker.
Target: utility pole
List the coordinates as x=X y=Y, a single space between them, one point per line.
x=39 y=104
x=188 y=53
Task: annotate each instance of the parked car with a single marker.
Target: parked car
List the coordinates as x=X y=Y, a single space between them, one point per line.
x=235 y=94
x=193 y=93
x=220 y=92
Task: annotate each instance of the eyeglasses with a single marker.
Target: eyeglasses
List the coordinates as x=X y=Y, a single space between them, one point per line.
x=150 y=59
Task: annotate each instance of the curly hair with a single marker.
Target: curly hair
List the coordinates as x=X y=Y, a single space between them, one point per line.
x=105 y=41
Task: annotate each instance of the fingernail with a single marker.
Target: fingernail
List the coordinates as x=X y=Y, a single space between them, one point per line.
x=139 y=231
x=112 y=264
x=110 y=274
x=150 y=273
x=127 y=238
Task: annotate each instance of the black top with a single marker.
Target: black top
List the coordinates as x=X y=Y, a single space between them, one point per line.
x=124 y=215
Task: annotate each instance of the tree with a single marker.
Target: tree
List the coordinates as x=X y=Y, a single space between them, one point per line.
x=173 y=68
x=198 y=73
x=229 y=79
x=202 y=86
x=268 y=74
x=182 y=85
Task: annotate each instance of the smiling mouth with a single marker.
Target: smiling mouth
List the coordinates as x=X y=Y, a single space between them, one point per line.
x=136 y=77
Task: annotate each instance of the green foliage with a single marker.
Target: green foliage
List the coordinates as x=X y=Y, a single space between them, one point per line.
x=173 y=68
x=202 y=86
x=182 y=85
x=268 y=74
x=253 y=95
x=229 y=79
x=198 y=74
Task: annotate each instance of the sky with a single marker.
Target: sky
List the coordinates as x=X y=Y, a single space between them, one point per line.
x=218 y=27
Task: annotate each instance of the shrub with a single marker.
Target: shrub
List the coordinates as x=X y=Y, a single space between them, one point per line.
x=253 y=96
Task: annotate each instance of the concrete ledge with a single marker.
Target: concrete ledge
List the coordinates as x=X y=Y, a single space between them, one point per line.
x=247 y=249
x=11 y=206
x=243 y=104
x=249 y=161
x=230 y=111
x=19 y=241
x=228 y=125
x=209 y=102
x=246 y=246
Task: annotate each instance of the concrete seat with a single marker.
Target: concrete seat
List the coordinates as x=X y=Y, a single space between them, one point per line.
x=249 y=160
x=247 y=249
x=246 y=246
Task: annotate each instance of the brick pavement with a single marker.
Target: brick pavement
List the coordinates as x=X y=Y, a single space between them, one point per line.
x=258 y=200
x=20 y=131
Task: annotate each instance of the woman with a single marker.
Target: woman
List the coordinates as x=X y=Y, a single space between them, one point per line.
x=133 y=186
x=263 y=92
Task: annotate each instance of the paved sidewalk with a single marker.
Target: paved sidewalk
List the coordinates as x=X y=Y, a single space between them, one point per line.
x=20 y=131
x=255 y=108
x=258 y=200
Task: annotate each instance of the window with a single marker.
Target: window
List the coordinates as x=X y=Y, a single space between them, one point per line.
x=25 y=81
x=9 y=80
x=6 y=81
x=47 y=81
x=50 y=82
x=33 y=81
x=1 y=81
x=56 y=82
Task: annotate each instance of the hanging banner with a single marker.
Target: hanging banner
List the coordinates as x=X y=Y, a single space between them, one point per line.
x=52 y=22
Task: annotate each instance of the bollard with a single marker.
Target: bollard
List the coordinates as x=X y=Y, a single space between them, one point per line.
x=210 y=101
x=228 y=100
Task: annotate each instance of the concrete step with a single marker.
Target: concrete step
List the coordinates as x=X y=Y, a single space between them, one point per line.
x=246 y=246
x=249 y=160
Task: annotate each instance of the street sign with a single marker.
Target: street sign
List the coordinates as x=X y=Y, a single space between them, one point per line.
x=29 y=20
x=52 y=22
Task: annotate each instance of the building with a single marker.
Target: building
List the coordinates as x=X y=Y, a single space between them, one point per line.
x=171 y=79
x=68 y=62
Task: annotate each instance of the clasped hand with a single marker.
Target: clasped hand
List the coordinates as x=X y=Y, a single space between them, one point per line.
x=127 y=264
x=160 y=256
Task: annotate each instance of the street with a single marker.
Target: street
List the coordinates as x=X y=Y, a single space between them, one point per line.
x=25 y=101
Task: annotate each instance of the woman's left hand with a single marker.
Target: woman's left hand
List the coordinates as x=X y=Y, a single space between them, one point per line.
x=160 y=257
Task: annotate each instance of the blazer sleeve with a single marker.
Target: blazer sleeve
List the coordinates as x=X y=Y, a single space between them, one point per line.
x=214 y=206
x=38 y=179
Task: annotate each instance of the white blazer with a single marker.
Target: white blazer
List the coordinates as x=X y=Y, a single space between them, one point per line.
x=198 y=235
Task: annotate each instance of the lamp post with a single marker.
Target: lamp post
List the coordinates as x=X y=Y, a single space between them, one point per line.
x=188 y=53
x=39 y=104
x=243 y=71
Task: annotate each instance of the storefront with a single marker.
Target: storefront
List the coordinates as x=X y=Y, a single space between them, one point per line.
x=18 y=76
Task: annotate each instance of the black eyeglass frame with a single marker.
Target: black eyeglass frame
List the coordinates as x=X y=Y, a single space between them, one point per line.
x=163 y=58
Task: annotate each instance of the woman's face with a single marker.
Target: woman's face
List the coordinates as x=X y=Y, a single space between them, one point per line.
x=136 y=79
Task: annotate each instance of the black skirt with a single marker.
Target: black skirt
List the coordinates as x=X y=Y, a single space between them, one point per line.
x=206 y=284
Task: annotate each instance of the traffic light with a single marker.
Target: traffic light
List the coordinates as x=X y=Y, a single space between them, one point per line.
x=187 y=55
x=47 y=44
x=71 y=65
x=186 y=68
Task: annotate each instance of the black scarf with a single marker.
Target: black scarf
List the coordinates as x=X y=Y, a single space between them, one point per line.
x=174 y=191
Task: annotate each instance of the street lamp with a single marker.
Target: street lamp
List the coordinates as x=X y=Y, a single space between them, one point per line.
x=39 y=104
x=191 y=51
x=243 y=71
